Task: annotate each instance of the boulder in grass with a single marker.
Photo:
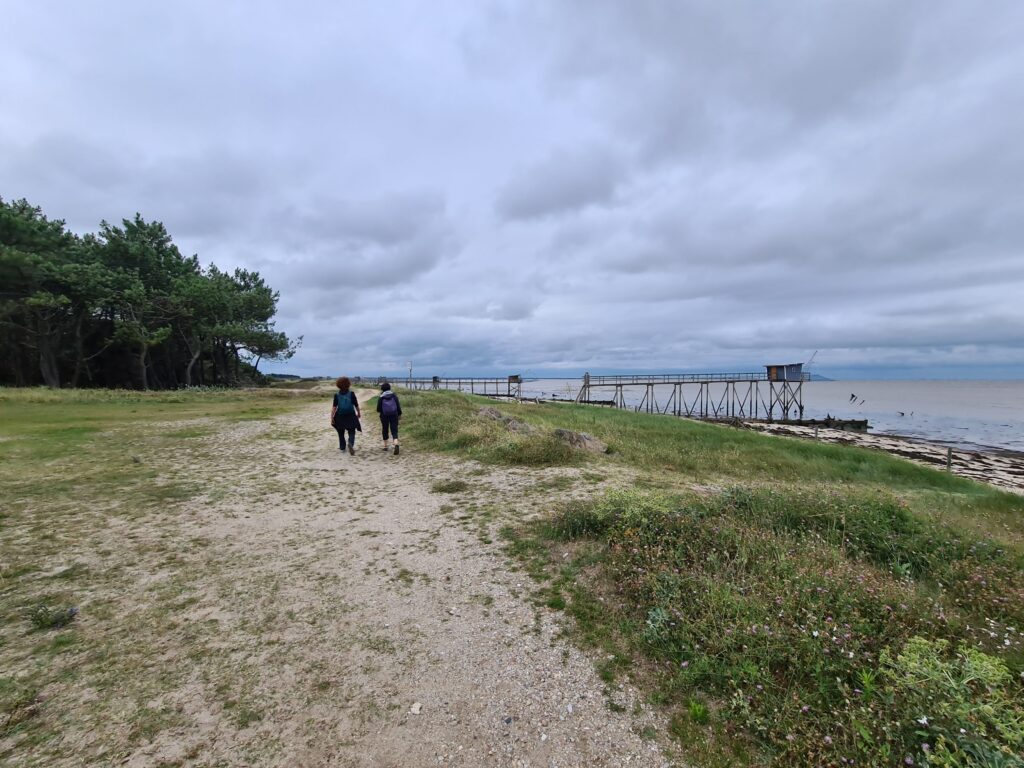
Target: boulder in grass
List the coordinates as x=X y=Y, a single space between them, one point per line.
x=581 y=440
x=512 y=425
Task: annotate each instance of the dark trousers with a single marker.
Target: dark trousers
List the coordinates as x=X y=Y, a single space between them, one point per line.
x=351 y=436
x=389 y=422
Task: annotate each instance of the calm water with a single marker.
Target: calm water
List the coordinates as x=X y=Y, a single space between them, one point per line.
x=978 y=415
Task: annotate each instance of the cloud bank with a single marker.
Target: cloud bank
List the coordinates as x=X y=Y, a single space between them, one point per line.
x=523 y=187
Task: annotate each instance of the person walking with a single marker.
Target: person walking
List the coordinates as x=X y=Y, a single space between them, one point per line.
x=390 y=411
x=345 y=414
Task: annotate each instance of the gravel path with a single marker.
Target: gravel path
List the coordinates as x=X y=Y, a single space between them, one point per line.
x=407 y=641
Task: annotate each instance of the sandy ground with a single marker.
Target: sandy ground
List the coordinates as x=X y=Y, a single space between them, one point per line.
x=1004 y=470
x=399 y=635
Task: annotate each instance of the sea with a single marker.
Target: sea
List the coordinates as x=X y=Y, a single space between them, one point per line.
x=983 y=416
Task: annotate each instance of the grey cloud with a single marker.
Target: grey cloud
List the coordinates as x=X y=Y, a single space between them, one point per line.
x=567 y=180
x=359 y=264
x=577 y=184
x=386 y=220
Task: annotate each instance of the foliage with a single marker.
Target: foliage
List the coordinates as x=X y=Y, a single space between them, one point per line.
x=825 y=624
x=43 y=617
x=449 y=421
x=770 y=617
x=449 y=486
x=967 y=716
x=124 y=308
x=674 y=450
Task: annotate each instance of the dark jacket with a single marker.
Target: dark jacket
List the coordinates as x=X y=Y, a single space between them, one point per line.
x=388 y=394
x=347 y=420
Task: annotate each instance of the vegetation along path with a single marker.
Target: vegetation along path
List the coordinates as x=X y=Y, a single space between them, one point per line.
x=498 y=595
x=283 y=603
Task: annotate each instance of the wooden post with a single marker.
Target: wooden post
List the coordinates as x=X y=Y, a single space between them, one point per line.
x=949 y=459
x=815 y=431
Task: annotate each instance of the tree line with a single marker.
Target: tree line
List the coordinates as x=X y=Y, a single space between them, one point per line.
x=123 y=307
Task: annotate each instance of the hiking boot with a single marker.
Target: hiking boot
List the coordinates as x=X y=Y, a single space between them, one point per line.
x=351 y=451
x=396 y=450
x=385 y=446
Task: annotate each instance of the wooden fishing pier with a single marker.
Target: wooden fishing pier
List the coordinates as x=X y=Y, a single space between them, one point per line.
x=507 y=386
x=774 y=395
x=777 y=393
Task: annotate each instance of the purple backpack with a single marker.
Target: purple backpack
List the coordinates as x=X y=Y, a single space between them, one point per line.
x=388 y=405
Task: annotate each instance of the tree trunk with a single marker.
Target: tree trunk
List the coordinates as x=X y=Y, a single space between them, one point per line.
x=213 y=363
x=195 y=348
x=141 y=361
x=79 y=352
x=191 y=364
x=48 y=356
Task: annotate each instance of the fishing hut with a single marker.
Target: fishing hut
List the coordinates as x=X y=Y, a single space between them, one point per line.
x=775 y=394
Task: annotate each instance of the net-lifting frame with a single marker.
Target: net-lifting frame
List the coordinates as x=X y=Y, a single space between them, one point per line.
x=768 y=395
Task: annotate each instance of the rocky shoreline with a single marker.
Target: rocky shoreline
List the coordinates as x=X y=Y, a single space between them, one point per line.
x=1003 y=469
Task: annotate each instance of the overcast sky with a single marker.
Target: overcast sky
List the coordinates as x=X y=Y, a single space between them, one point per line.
x=501 y=187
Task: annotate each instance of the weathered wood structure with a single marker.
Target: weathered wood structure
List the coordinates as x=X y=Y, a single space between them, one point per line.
x=775 y=394
x=508 y=386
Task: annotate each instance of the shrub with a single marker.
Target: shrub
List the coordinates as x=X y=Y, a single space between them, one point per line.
x=449 y=486
x=790 y=609
x=44 y=618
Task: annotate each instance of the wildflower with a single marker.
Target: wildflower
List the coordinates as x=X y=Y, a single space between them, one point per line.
x=685 y=664
x=805 y=708
x=923 y=720
x=926 y=747
x=908 y=760
x=828 y=740
x=815 y=633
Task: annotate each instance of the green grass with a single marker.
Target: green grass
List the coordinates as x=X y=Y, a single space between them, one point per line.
x=449 y=486
x=95 y=487
x=779 y=617
x=678 y=451
x=300 y=383
x=808 y=614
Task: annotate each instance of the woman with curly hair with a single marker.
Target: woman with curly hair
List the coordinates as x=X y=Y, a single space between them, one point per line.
x=345 y=414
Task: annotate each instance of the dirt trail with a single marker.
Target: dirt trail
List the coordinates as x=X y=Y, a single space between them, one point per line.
x=369 y=626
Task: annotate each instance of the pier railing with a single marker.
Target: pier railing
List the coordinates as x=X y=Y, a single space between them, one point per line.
x=682 y=378
x=756 y=395
x=508 y=386
x=702 y=395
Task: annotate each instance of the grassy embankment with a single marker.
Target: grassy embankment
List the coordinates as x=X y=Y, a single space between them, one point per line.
x=93 y=485
x=300 y=383
x=785 y=601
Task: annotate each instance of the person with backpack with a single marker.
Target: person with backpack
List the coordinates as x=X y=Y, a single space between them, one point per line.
x=390 y=411
x=345 y=415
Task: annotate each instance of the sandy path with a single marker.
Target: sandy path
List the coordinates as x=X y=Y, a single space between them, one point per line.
x=387 y=632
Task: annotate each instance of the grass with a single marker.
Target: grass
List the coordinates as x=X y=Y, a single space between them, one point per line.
x=815 y=623
x=809 y=612
x=300 y=383
x=677 y=452
x=94 y=488
x=915 y=572
x=449 y=486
